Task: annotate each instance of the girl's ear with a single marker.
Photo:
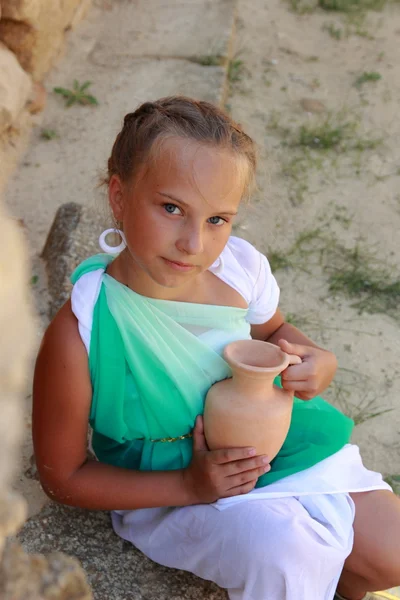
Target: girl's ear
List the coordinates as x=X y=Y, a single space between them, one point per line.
x=116 y=197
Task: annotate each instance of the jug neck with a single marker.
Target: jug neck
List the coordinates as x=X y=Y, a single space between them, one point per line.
x=254 y=383
x=255 y=364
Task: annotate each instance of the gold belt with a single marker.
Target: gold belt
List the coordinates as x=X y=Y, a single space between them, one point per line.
x=173 y=439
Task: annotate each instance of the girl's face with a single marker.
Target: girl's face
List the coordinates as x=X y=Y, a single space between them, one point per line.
x=178 y=214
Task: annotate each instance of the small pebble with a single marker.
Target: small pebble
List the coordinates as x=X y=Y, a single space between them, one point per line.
x=312 y=106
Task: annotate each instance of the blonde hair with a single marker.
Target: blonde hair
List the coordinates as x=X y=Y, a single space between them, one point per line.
x=183 y=117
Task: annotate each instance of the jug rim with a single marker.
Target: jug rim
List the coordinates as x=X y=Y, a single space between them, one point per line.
x=235 y=355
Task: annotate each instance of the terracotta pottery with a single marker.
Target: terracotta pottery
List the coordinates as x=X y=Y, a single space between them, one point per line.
x=248 y=409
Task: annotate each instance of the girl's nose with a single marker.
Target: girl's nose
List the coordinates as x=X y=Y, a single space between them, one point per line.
x=191 y=242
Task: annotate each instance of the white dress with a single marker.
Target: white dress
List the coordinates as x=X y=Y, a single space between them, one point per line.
x=286 y=541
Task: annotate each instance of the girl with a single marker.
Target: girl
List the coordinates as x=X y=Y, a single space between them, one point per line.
x=138 y=345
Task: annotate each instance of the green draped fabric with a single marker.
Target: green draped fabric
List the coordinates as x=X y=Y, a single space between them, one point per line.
x=150 y=376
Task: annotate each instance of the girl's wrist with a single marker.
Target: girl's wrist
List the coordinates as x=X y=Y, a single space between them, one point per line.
x=188 y=490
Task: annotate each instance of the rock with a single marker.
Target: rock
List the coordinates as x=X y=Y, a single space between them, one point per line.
x=15 y=86
x=22 y=576
x=36 y=49
x=37 y=99
x=35 y=30
x=12 y=514
x=22 y=10
x=115 y=569
x=16 y=325
x=37 y=577
x=56 y=252
x=61 y=13
x=312 y=106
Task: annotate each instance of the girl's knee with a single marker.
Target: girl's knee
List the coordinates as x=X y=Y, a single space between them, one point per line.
x=385 y=575
x=375 y=555
x=281 y=534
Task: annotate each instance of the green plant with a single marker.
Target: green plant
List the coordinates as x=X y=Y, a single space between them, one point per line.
x=362 y=144
x=302 y=7
x=236 y=70
x=34 y=279
x=78 y=94
x=394 y=482
x=366 y=77
x=353 y=272
x=351 y=5
x=296 y=169
x=278 y=260
x=373 y=287
x=325 y=135
x=299 y=321
x=335 y=132
x=343 y=6
x=352 y=391
x=209 y=60
x=340 y=394
x=334 y=32
x=48 y=134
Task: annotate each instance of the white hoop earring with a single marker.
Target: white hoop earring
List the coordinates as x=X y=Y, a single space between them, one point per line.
x=112 y=249
x=218 y=266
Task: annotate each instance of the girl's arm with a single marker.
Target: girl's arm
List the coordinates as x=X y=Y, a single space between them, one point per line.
x=318 y=368
x=61 y=404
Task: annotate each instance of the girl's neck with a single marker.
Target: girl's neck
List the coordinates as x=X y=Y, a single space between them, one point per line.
x=205 y=288
x=125 y=270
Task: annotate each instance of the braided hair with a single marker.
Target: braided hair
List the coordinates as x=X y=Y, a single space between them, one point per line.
x=182 y=117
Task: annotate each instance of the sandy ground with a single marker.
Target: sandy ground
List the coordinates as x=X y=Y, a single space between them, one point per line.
x=131 y=52
x=349 y=193
x=313 y=206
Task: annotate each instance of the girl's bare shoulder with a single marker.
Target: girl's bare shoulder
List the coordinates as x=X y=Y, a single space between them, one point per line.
x=62 y=343
x=61 y=401
x=63 y=329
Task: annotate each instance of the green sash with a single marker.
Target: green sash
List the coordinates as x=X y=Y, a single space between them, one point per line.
x=150 y=376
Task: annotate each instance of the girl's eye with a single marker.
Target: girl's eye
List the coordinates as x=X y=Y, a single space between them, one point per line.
x=171 y=208
x=217 y=220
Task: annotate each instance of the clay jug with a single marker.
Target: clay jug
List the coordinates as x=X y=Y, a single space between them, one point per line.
x=248 y=409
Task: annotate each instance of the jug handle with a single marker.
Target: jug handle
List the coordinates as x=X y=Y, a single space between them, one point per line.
x=294 y=359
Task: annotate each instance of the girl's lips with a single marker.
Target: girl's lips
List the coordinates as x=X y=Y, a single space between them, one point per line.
x=178 y=265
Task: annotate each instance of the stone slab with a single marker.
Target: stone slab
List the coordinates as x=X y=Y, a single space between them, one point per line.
x=56 y=252
x=72 y=238
x=114 y=568
x=158 y=28
x=67 y=167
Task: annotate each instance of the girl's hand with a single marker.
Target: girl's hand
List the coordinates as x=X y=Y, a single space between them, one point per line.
x=220 y=473
x=313 y=375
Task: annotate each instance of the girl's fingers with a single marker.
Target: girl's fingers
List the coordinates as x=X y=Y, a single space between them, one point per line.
x=242 y=466
x=199 y=441
x=228 y=455
x=244 y=483
x=241 y=489
x=296 y=386
x=244 y=478
x=298 y=349
x=296 y=372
